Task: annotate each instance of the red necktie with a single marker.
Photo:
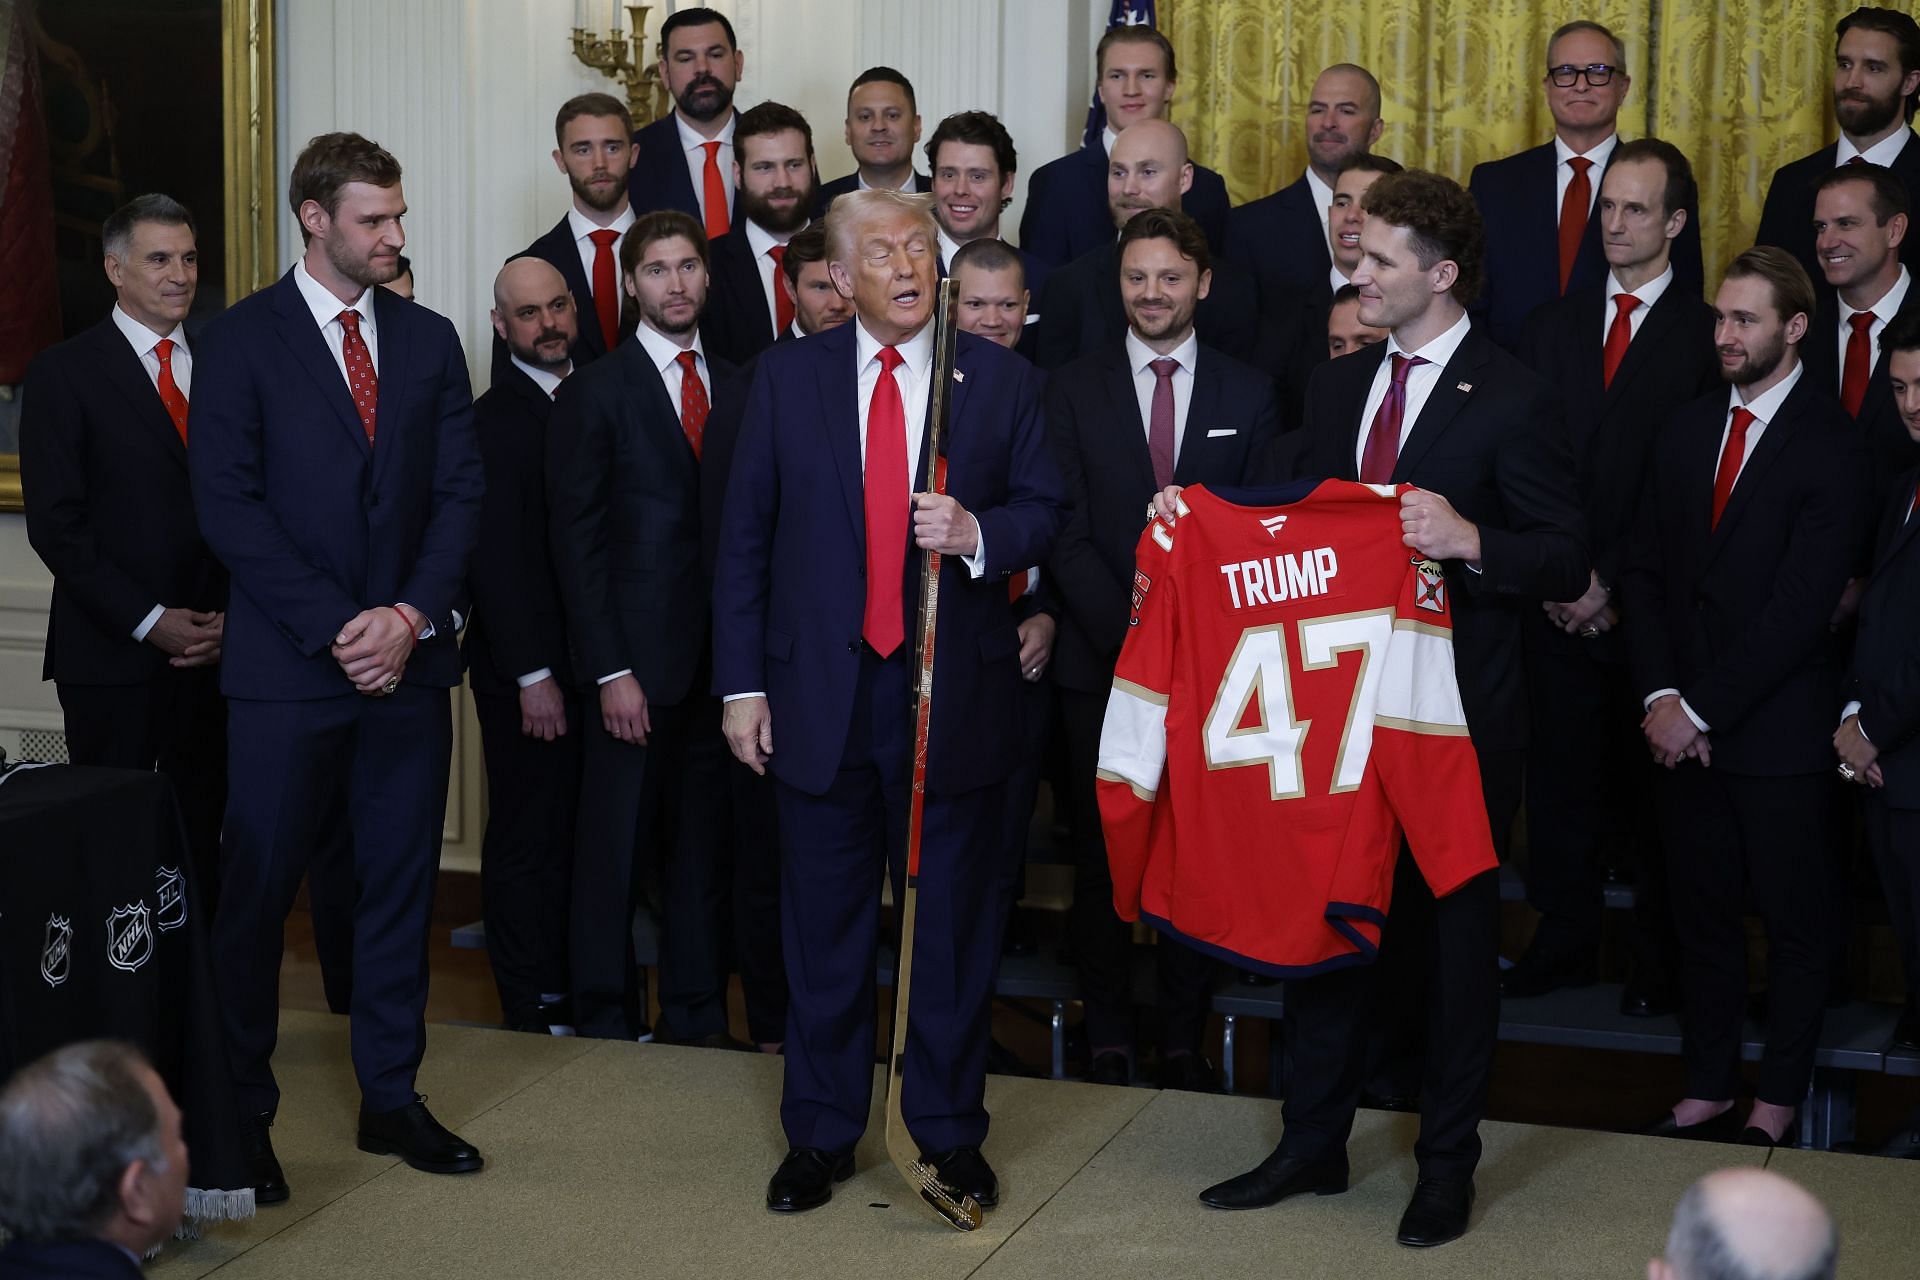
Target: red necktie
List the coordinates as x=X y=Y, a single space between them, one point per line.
x=693 y=401
x=1732 y=454
x=361 y=381
x=606 y=293
x=1618 y=336
x=1857 y=160
x=1859 y=366
x=782 y=304
x=1160 y=422
x=713 y=199
x=1383 y=439
x=884 y=622
x=1573 y=216
x=169 y=389
x=1017 y=585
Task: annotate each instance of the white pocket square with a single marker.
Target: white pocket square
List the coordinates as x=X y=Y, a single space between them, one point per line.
x=1223 y=431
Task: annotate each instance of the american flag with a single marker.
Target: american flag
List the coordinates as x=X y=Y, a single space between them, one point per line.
x=1125 y=13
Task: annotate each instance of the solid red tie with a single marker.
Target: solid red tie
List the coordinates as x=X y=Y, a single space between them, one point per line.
x=1160 y=422
x=169 y=389
x=1619 y=334
x=1732 y=454
x=1573 y=216
x=713 y=199
x=1383 y=439
x=1859 y=366
x=606 y=292
x=1017 y=585
x=693 y=401
x=884 y=622
x=361 y=381
x=782 y=304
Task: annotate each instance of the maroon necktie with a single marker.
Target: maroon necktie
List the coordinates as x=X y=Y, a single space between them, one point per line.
x=170 y=395
x=1160 y=422
x=361 y=382
x=606 y=293
x=693 y=401
x=782 y=304
x=1618 y=336
x=1859 y=366
x=1383 y=439
x=1573 y=216
x=1731 y=455
x=883 y=624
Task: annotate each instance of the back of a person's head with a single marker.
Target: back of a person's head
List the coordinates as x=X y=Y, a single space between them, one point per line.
x=1748 y=1224
x=70 y=1124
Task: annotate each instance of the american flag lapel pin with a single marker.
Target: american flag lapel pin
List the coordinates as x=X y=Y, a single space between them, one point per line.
x=959 y=376
x=1463 y=386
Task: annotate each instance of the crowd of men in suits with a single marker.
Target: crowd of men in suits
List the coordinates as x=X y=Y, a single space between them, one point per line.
x=691 y=506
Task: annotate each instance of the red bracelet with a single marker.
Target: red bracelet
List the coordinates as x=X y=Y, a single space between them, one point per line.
x=413 y=641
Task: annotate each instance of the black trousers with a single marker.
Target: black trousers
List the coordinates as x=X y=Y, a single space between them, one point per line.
x=1894 y=836
x=1102 y=942
x=526 y=856
x=753 y=831
x=1728 y=835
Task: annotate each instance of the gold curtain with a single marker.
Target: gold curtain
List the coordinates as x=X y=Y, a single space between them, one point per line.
x=1741 y=86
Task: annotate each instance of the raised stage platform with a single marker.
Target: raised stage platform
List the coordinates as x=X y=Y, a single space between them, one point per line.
x=642 y=1160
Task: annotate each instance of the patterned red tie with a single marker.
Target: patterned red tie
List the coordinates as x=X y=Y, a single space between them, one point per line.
x=169 y=389
x=1573 y=216
x=1383 y=438
x=1160 y=422
x=782 y=304
x=1859 y=366
x=361 y=382
x=606 y=292
x=1732 y=454
x=883 y=623
x=1618 y=336
x=713 y=198
x=693 y=401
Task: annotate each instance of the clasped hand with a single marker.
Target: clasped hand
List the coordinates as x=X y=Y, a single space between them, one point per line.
x=374 y=646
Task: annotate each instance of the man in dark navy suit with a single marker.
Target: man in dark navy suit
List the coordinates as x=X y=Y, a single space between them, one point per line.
x=335 y=474
x=1066 y=213
x=973 y=161
x=686 y=159
x=883 y=127
x=1876 y=85
x=134 y=632
x=593 y=147
x=1542 y=238
x=95 y=1170
x=814 y=599
x=747 y=310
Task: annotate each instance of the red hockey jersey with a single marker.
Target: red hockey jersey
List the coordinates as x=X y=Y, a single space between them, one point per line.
x=1283 y=709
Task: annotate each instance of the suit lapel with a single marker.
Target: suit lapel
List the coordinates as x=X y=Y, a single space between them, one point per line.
x=396 y=353
x=1202 y=409
x=1899 y=528
x=1349 y=428
x=840 y=392
x=564 y=254
x=1653 y=331
x=1771 y=444
x=129 y=377
x=1124 y=411
x=659 y=417
x=963 y=367
x=309 y=348
x=1451 y=390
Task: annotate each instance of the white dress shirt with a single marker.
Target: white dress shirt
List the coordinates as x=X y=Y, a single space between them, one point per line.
x=1140 y=358
x=1763 y=407
x=948 y=247
x=1885 y=308
x=1648 y=293
x=759 y=240
x=1322 y=205
x=144 y=340
x=1421 y=380
x=695 y=146
x=583 y=228
x=910 y=186
x=1882 y=153
x=1600 y=154
x=1107 y=135
x=1335 y=280
x=326 y=313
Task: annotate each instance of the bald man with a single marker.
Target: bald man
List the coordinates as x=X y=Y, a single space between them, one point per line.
x=523 y=683
x=1080 y=308
x=1748 y=1224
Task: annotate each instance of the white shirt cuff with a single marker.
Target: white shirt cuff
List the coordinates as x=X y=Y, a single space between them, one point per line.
x=1851 y=710
x=624 y=671
x=1657 y=694
x=735 y=697
x=532 y=678
x=977 y=562
x=426 y=623
x=146 y=623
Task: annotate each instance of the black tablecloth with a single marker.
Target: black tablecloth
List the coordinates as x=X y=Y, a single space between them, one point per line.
x=101 y=937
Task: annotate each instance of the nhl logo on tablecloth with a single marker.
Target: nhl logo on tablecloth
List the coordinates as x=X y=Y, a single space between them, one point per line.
x=129 y=937
x=56 y=957
x=1430 y=591
x=170 y=893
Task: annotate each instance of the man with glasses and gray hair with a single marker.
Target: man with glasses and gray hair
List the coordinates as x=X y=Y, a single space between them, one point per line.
x=1748 y=1224
x=93 y=1168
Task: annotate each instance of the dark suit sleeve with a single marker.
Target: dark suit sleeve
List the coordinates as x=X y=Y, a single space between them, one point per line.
x=1019 y=532
x=1776 y=217
x=503 y=570
x=746 y=549
x=1478 y=186
x=60 y=518
x=439 y=571
x=227 y=464
x=1538 y=553
x=1076 y=575
x=1042 y=233
x=1264 y=459
x=1640 y=589
x=580 y=472
x=1056 y=334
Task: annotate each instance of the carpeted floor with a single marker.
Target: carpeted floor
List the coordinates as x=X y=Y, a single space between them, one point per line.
x=641 y=1160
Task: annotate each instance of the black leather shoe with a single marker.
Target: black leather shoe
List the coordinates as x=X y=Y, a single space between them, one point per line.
x=1648 y=999
x=412 y=1133
x=1754 y=1136
x=1722 y=1128
x=1437 y=1213
x=1110 y=1067
x=1906 y=1032
x=1189 y=1071
x=269 y=1183
x=1904 y=1145
x=1389 y=1101
x=967 y=1171
x=1274 y=1179
x=1537 y=976
x=805 y=1179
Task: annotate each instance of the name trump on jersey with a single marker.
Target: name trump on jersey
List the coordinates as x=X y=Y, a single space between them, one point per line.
x=1278 y=579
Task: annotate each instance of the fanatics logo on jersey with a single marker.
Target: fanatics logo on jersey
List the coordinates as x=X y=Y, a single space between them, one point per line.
x=1430 y=591
x=1273 y=525
x=1140 y=584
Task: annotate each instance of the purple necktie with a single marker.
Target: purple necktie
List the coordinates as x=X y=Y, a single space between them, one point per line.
x=1160 y=422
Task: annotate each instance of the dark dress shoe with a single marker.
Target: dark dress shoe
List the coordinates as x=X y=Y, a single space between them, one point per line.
x=412 y=1133
x=805 y=1179
x=1437 y=1213
x=967 y=1171
x=1906 y=1032
x=1110 y=1067
x=1650 y=999
x=1537 y=976
x=1754 y=1136
x=269 y=1183
x=1278 y=1176
x=1388 y=1101
x=1722 y=1128
x=1189 y=1071
x=1904 y=1145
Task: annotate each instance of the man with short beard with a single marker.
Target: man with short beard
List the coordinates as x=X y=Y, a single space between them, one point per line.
x=1749 y=529
x=686 y=159
x=516 y=648
x=749 y=309
x=1876 y=85
x=593 y=147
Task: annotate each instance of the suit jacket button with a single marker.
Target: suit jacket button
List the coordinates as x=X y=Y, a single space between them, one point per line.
x=853 y=646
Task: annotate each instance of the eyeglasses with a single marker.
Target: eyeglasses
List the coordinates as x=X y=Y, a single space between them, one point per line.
x=1597 y=74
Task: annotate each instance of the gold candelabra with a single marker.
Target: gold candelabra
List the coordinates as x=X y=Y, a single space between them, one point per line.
x=621 y=56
